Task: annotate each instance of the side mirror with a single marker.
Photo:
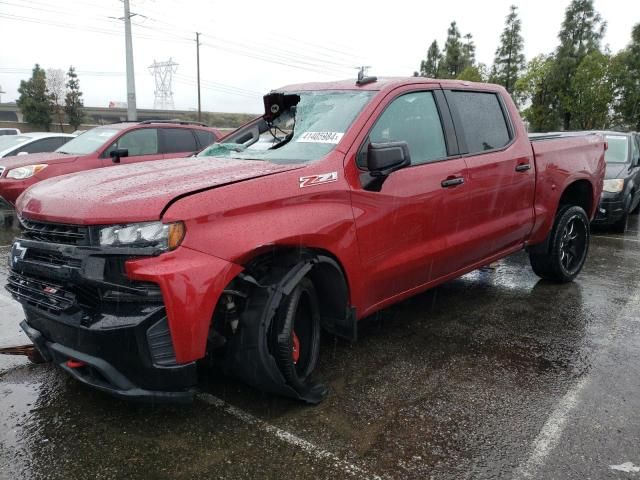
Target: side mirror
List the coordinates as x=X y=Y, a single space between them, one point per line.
x=22 y=153
x=118 y=153
x=385 y=158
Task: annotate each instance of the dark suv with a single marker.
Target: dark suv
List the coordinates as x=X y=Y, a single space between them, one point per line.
x=621 y=193
x=102 y=147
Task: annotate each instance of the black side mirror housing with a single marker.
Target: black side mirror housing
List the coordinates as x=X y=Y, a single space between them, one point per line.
x=118 y=153
x=385 y=158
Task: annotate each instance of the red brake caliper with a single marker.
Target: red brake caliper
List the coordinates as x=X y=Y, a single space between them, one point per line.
x=296 y=347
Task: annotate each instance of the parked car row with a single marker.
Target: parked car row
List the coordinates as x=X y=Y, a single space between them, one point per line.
x=341 y=199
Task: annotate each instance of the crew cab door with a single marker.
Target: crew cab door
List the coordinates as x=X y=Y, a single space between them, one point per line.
x=408 y=230
x=501 y=169
x=142 y=145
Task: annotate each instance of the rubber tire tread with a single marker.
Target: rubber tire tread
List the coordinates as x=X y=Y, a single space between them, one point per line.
x=547 y=264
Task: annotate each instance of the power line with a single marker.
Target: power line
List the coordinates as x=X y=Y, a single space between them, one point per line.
x=94 y=30
x=182 y=79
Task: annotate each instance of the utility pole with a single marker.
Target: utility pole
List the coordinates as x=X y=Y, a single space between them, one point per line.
x=1 y=92
x=132 y=113
x=198 y=64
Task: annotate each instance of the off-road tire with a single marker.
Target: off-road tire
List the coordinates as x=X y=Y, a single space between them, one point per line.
x=565 y=256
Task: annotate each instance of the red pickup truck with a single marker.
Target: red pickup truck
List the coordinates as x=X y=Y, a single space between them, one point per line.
x=342 y=199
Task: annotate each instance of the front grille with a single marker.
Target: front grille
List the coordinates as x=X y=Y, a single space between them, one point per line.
x=55 y=232
x=39 y=293
x=54 y=259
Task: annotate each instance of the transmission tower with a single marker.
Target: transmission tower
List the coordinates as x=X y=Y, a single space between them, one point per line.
x=163 y=74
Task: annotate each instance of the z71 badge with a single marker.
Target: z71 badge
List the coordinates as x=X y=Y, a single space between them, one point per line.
x=312 y=180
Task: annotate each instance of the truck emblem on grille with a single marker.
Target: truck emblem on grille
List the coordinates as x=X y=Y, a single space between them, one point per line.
x=17 y=253
x=50 y=290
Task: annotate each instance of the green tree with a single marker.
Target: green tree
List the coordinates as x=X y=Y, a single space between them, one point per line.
x=581 y=33
x=626 y=72
x=592 y=91
x=471 y=74
x=73 y=105
x=429 y=67
x=35 y=101
x=453 y=59
x=509 y=60
x=534 y=88
x=468 y=52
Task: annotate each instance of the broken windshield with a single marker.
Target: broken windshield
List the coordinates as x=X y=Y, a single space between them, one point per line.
x=302 y=133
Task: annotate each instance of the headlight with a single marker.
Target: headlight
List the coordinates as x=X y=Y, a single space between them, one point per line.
x=29 y=171
x=613 y=186
x=164 y=236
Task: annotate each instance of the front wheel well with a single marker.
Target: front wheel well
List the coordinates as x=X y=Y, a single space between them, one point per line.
x=328 y=277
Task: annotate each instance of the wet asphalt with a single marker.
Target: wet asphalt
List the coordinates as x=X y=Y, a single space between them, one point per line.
x=494 y=375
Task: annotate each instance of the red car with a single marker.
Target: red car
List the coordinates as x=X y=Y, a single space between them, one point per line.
x=103 y=147
x=342 y=199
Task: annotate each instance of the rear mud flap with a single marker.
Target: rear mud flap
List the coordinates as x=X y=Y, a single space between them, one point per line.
x=249 y=358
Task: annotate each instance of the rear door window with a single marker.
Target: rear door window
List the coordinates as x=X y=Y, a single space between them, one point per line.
x=483 y=122
x=178 y=140
x=39 y=146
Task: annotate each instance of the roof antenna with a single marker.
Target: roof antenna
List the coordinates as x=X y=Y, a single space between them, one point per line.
x=363 y=79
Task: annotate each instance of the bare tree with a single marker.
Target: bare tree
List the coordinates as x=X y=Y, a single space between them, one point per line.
x=57 y=89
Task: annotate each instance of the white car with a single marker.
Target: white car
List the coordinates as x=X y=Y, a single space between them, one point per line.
x=34 y=142
x=9 y=131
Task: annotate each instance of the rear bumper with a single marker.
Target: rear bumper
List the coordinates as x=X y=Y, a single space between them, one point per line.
x=610 y=210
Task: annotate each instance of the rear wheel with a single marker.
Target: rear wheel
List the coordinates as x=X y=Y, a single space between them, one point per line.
x=567 y=247
x=295 y=335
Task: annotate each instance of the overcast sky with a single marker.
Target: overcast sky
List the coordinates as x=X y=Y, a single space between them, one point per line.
x=251 y=47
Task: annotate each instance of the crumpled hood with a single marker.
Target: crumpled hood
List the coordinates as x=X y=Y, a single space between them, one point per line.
x=617 y=170
x=33 y=158
x=136 y=192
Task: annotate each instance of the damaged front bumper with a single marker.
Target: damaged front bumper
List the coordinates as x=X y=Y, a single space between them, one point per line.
x=125 y=321
x=100 y=374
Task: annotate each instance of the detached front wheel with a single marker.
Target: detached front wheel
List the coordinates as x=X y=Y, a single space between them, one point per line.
x=295 y=335
x=567 y=247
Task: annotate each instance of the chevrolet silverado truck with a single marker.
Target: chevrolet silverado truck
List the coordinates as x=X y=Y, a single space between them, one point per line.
x=342 y=199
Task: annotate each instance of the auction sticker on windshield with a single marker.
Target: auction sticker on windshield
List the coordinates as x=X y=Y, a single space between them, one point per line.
x=320 y=137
